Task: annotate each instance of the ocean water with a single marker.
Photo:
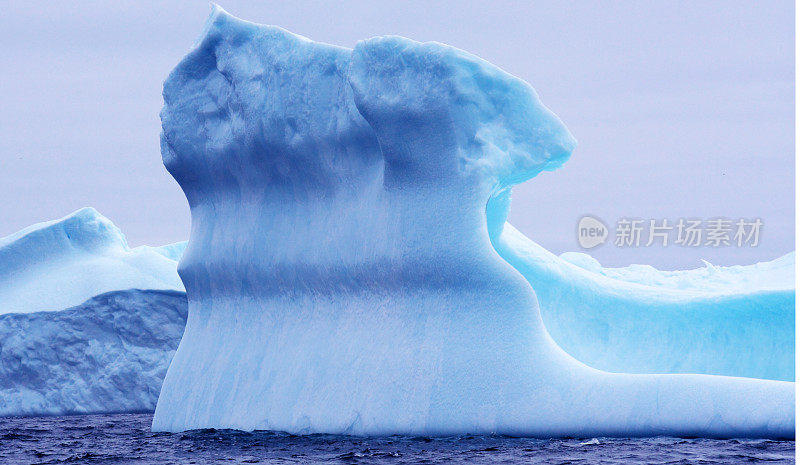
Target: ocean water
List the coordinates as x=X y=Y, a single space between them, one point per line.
x=127 y=439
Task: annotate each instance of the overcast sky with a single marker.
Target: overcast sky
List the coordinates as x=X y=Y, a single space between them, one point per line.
x=680 y=109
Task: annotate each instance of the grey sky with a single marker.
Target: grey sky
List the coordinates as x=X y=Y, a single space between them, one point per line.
x=680 y=109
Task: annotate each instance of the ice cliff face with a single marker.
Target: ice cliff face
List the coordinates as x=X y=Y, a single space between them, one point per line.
x=340 y=271
x=108 y=354
x=63 y=263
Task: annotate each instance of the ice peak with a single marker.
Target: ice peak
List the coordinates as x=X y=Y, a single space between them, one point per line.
x=84 y=228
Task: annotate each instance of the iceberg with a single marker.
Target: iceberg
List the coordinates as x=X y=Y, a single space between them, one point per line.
x=341 y=270
x=63 y=263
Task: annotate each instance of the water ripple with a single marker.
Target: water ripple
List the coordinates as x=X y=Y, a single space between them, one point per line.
x=127 y=439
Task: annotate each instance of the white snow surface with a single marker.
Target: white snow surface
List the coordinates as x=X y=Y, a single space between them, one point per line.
x=341 y=272
x=62 y=263
x=774 y=275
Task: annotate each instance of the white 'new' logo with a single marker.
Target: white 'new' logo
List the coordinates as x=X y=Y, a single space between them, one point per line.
x=591 y=232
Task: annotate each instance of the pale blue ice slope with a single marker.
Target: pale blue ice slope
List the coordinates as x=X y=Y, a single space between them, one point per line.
x=63 y=263
x=735 y=321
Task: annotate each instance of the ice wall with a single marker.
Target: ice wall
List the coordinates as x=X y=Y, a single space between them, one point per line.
x=108 y=354
x=340 y=271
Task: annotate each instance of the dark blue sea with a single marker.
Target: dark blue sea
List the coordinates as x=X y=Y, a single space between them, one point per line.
x=127 y=439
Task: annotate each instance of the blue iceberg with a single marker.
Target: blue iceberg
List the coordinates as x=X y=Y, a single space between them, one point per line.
x=349 y=268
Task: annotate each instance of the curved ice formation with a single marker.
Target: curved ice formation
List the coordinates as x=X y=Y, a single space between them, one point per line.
x=62 y=263
x=108 y=354
x=340 y=269
x=775 y=275
x=735 y=321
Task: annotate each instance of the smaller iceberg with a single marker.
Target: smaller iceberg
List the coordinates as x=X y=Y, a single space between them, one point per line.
x=87 y=325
